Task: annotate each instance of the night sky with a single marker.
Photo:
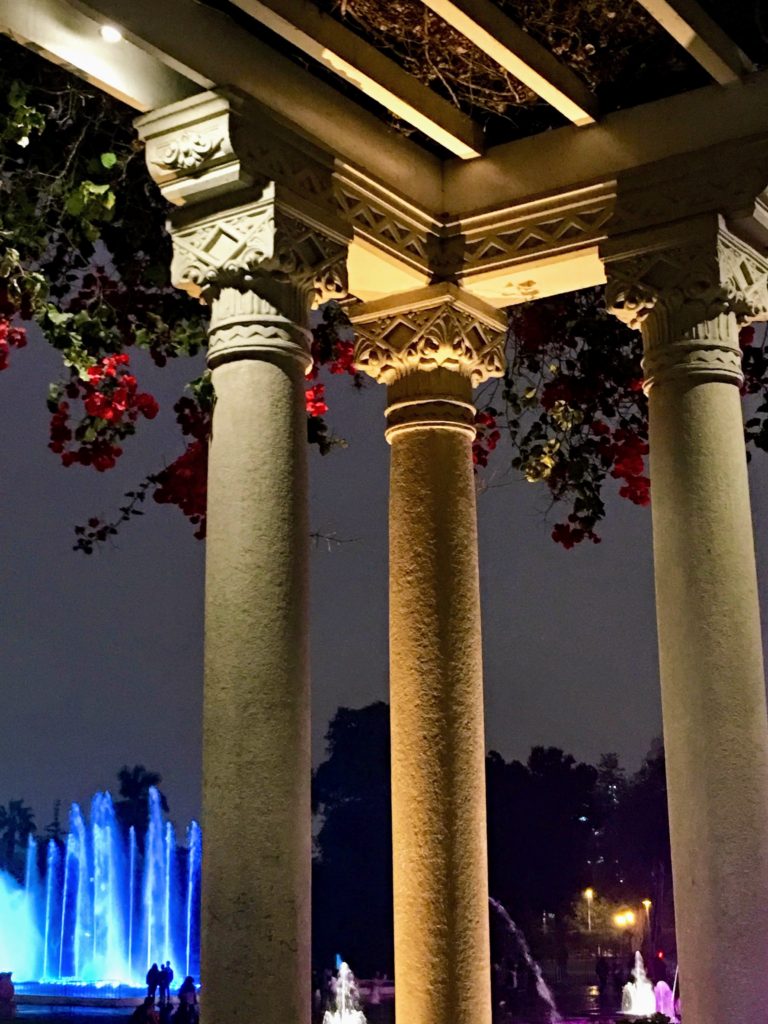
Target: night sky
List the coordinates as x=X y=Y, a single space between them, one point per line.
x=101 y=657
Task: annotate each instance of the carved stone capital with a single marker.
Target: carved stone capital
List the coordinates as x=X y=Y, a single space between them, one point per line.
x=264 y=238
x=688 y=288
x=257 y=264
x=219 y=142
x=257 y=236
x=438 y=327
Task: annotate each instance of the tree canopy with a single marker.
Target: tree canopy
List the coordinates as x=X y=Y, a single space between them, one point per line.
x=555 y=827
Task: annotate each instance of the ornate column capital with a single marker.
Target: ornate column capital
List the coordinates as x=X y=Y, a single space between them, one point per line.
x=438 y=326
x=257 y=236
x=688 y=287
x=430 y=347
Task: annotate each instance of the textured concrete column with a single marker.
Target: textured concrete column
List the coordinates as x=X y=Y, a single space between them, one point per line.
x=256 y=740
x=258 y=255
x=688 y=302
x=428 y=352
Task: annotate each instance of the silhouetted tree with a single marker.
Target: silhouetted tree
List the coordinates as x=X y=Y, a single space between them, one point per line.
x=54 y=829
x=352 y=911
x=17 y=823
x=132 y=809
x=541 y=821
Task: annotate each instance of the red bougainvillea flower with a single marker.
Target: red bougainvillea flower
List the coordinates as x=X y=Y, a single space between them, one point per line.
x=10 y=337
x=487 y=436
x=315 y=400
x=111 y=403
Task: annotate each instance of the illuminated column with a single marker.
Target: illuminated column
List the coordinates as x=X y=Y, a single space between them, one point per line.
x=688 y=289
x=429 y=347
x=258 y=257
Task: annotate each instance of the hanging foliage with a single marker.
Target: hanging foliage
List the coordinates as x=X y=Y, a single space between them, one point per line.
x=85 y=254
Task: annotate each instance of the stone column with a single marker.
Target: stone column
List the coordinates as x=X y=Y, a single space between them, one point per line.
x=258 y=256
x=689 y=288
x=429 y=347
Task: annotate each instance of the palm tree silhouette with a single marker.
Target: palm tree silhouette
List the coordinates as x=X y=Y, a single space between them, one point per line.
x=17 y=823
x=132 y=808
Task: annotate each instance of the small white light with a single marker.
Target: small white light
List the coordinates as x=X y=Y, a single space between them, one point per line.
x=110 y=34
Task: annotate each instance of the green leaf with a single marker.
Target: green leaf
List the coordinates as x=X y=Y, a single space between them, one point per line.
x=108 y=160
x=17 y=95
x=74 y=204
x=56 y=316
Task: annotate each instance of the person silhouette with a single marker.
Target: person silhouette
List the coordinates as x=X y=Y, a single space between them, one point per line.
x=165 y=979
x=186 y=1012
x=7 y=996
x=153 y=980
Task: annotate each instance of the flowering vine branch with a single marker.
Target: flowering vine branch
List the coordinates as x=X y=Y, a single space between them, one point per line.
x=84 y=252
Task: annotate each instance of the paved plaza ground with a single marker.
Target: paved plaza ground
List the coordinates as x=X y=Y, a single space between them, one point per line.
x=577 y=1003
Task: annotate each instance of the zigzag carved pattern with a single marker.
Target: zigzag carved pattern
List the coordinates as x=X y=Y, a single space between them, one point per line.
x=553 y=233
x=382 y=226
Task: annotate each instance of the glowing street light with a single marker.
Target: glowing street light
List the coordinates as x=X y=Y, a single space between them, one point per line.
x=647 y=905
x=589 y=895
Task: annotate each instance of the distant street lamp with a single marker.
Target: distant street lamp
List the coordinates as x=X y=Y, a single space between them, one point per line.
x=589 y=895
x=647 y=905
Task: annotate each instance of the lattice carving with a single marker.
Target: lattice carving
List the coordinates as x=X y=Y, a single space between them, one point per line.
x=237 y=247
x=440 y=336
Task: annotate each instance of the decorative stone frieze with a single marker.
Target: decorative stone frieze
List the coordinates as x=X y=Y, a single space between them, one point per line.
x=688 y=287
x=439 y=327
x=385 y=221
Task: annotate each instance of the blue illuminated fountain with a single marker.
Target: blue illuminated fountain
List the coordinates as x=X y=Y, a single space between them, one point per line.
x=102 y=910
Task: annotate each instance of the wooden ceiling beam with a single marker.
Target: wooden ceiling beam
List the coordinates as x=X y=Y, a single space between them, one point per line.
x=321 y=37
x=486 y=25
x=691 y=27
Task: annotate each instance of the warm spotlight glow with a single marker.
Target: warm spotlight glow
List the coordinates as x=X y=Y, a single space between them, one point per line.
x=589 y=894
x=110 y=34
x=625 y=919
x=647 y=905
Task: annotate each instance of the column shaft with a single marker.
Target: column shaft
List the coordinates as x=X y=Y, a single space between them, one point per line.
x=442 y=956
x=256 y=772
x=713 y=694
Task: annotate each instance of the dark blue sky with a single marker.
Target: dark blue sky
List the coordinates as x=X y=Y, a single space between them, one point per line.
x=100 y=657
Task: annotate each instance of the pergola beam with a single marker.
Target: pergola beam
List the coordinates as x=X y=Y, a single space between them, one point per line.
x=485 y=25
x=208 y=47
x=71 y=39
x=702 y=37
x=304 y=26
